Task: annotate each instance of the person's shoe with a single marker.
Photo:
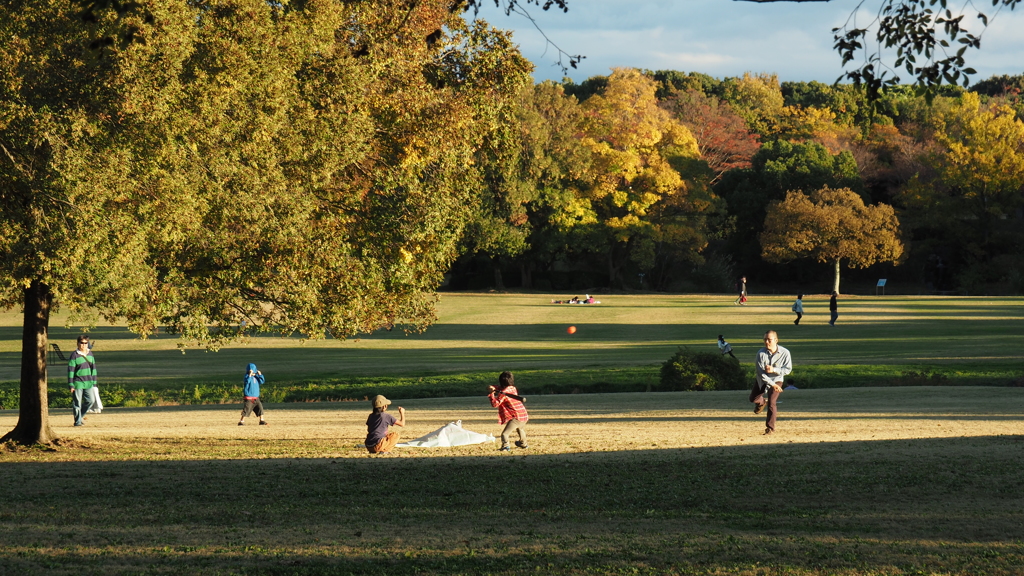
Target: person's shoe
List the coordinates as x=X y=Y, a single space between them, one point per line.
x=768 y=431
x=264 y=423
x=505 y=449
x=80 y=424
x=758 y=408
x=521 y=445
x=241 y=423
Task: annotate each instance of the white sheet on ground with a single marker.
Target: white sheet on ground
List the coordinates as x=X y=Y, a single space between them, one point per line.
x=451 y=434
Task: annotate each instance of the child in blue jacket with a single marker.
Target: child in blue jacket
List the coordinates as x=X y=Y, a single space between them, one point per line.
x=251 y=390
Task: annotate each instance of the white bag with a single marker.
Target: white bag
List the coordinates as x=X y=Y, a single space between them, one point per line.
x=451 y=434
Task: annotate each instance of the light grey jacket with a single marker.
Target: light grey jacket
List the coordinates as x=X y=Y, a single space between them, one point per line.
x=781 y=362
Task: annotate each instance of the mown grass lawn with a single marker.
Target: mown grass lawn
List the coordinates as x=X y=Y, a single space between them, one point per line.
x=921 y=480
x=858 y=480
x=980 y=338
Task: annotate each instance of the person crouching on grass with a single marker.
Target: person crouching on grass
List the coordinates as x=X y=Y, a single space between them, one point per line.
x=511 y=411
x=251 y=390
x=378 y=439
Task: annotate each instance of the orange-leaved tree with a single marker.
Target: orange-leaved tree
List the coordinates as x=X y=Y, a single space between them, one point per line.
x=831 y=225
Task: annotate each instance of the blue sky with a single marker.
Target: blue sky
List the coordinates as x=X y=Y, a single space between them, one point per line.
x=720 y=37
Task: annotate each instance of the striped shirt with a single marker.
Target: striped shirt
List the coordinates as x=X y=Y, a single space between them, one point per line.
x=81 y=371
x=508 y=408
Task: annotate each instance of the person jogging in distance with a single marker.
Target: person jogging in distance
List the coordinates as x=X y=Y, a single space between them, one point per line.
x=742 y=287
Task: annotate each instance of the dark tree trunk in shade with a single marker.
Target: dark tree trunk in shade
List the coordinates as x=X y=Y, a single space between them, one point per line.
x=526 y=273
x=34 y=415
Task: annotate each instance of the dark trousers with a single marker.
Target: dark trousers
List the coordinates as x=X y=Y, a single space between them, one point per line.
x=834 y=316
x=252 y=406
x=769 y=397
x=798 y=317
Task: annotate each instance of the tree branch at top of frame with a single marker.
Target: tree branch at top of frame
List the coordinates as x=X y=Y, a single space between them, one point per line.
x=565 y=60
x=929 y=40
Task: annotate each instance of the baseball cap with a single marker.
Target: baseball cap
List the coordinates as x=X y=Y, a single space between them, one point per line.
x=379 y=401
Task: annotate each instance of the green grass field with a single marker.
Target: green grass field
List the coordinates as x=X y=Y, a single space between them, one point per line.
x=861 y=480
x=980 y=338
x=864 y=481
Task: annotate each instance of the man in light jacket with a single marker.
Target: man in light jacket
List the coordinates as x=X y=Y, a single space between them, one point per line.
x=773 y=363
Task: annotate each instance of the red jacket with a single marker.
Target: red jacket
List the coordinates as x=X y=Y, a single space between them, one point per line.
x=508 y=408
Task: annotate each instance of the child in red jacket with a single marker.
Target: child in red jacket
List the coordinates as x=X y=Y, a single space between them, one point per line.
x=511 y=411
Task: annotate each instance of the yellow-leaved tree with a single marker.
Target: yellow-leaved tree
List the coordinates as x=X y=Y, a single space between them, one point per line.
x=633 y=143
x=831 y=225
x=245 y=167
x=968 y=205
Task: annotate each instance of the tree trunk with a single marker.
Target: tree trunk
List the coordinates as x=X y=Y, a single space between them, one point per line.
x=499 y=282
x=34 y=414
x=526 y=273
x=612 y=272
x=835 y=280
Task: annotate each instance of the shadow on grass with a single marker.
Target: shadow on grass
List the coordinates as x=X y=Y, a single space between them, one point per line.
x=950 y=504
x=623 y=332
x=477 y=347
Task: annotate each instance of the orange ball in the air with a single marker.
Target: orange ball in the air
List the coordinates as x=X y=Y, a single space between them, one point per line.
x=571 y=330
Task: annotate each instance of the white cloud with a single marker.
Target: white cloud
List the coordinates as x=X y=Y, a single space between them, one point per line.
x=692 y=61
x=719 y=37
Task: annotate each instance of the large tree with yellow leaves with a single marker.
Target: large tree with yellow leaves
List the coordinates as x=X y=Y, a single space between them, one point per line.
x=301 y=167
x=831 y=226
x=638 y=196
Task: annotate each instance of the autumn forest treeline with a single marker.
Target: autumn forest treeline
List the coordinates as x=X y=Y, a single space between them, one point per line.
x=219 y=168
x=679 y=181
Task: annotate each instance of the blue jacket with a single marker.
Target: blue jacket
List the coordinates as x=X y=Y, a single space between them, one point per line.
x=251 y=382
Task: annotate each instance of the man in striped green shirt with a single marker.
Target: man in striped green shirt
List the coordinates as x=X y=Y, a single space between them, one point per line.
x=81 y=377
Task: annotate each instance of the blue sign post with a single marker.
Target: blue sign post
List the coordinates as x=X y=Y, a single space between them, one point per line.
x=881 y=284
